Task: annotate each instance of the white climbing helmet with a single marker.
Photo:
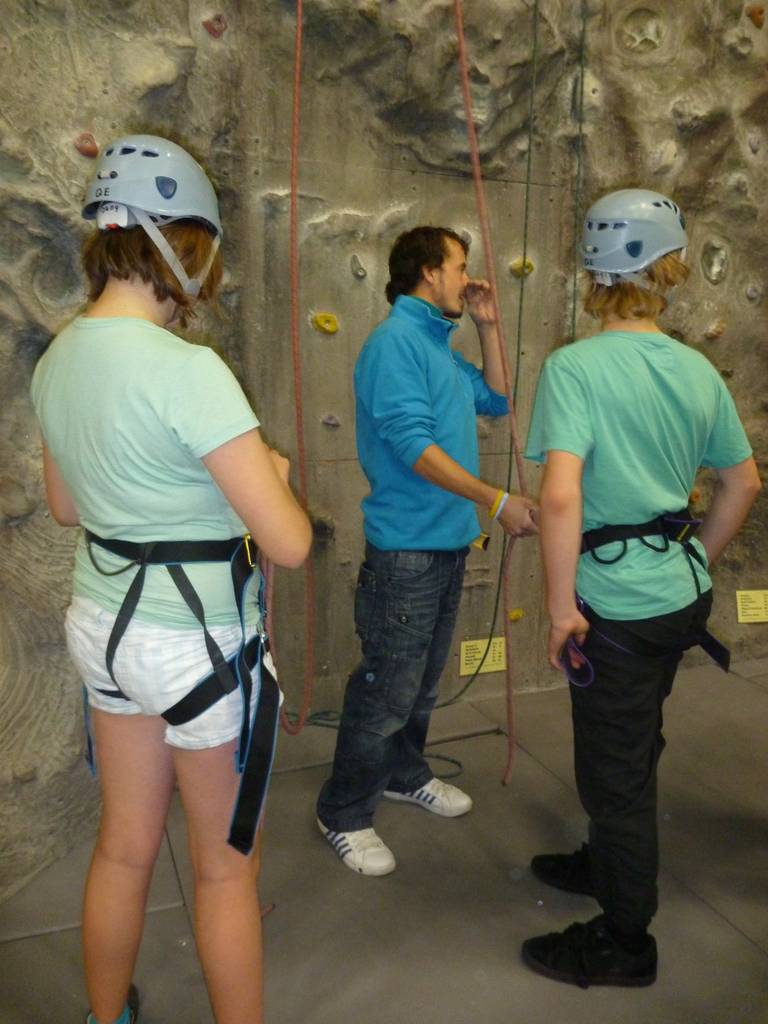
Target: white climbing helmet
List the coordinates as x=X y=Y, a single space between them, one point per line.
x=146 y=180
x=627 y=231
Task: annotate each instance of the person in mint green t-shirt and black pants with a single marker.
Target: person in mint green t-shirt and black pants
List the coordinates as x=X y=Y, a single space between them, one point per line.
x=623 y=421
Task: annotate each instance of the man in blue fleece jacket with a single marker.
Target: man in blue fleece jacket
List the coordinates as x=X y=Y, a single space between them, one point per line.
x=417 y=402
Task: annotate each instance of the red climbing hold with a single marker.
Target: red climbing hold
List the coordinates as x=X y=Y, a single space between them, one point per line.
x=216 y=26
x=87 y=145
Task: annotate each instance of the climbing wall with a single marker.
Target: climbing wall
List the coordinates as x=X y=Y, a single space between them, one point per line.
x=570 y=99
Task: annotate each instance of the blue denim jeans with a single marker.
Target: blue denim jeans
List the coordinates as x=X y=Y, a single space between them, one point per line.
x=406 y=605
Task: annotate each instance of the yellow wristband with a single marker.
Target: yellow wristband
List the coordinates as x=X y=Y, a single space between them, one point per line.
x=495 y=506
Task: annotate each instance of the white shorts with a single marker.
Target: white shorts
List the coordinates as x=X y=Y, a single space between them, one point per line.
x=155 y=666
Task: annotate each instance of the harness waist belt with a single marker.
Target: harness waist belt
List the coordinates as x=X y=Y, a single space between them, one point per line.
x=162 y=552
x=677 y=526
x=672 y=526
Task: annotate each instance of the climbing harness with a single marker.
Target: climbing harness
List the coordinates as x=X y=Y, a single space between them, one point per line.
x=670 y=527
x=248 y=666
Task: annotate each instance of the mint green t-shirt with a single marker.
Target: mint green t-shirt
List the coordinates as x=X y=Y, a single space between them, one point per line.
x=644 y=412
x=128 y=410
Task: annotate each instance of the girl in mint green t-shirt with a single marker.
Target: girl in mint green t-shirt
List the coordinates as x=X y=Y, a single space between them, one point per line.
x=147 y=438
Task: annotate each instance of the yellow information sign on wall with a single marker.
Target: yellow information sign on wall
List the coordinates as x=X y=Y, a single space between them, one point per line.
x=472 y=653
x=752 y=605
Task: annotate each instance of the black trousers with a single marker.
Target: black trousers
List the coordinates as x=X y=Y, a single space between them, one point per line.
x=617 y=726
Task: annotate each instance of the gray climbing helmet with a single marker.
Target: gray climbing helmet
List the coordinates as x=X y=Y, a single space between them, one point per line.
x=627 y=231
x=146 y=180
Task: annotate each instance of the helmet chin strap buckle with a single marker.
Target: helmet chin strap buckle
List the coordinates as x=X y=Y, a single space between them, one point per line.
x=609 y=279
x=111 y=215
x=603 y=277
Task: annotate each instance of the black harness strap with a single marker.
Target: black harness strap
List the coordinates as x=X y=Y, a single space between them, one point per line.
x=671 y=526
x=257 y=765
x=257 y=737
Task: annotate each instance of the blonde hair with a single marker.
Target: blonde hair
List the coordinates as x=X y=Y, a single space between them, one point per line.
x=627 y=301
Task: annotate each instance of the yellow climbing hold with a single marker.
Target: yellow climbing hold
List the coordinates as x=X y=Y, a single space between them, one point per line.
x=520 y=267
x=325 y=322
x=515 y=614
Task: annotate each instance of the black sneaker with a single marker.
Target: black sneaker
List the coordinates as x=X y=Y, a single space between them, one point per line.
x=587 y=954
x=567 y=871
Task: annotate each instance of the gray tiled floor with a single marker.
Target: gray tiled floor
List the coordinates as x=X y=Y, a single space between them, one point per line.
x=437 y=941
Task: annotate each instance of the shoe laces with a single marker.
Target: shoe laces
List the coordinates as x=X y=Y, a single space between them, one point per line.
x=439 y=789
x=364 y=839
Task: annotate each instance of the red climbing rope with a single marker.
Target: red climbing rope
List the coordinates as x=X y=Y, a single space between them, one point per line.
x=309 y=568
x=485 y=231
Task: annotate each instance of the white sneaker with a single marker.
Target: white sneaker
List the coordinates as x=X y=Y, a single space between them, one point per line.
x=436 y=796
x=361 y=851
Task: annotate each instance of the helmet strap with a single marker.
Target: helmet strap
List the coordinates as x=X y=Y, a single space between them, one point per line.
x=610 y=278
x=641 y=280
x=191 y=286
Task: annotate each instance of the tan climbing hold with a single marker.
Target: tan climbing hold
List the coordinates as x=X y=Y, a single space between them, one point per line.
x=715 y=330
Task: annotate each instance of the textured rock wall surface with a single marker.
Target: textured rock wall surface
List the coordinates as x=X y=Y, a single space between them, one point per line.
x=674 y=97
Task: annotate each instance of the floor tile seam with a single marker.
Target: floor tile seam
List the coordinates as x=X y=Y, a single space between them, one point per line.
x=40 y=933
x=761 y=671
x=751 y=680
x=716 y=911
x=76 y=925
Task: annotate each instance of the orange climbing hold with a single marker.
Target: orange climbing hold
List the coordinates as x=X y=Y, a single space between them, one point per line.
x=756 y=14
x=87 y=145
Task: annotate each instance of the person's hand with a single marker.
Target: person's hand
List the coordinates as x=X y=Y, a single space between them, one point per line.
x=517 y=516
x=571 y=625
x=479 y=299
x=281 y=464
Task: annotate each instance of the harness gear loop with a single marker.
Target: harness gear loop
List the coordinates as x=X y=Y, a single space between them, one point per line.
x=258 y=731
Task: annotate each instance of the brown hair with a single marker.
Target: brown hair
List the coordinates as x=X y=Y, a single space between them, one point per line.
x=627 y=301
x=420 y=247
x=128 y=252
